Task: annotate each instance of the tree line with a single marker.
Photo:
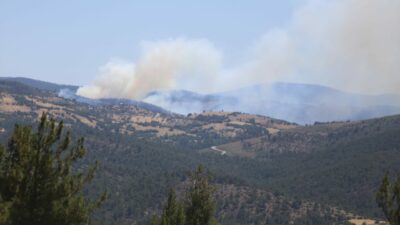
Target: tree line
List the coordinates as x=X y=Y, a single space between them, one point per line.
x=40 y=185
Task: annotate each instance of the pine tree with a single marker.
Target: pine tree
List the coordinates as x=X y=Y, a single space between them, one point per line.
x=388 y=199
x=200 y=203
x=3 y=204
x=198 y=207
x=173 y=211
x=37 y=182
x=155 y=220
x=180 y=215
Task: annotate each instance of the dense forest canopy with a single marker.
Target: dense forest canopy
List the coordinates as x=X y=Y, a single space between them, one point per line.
x=273 y=171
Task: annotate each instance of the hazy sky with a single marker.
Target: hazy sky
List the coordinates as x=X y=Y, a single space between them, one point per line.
x=129 y=48
x=67 y=41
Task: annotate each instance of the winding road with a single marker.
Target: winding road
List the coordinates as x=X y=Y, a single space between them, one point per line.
x=218 y=150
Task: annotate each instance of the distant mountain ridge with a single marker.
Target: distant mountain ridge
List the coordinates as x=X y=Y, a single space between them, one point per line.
x=272 y=171
x=42 y=85
x=69 y=92
x=300 y=103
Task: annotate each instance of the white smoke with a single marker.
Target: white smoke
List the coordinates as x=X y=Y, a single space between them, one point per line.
x=114 y=81
x=352 y=45
x=355 y=45
x=192 y=64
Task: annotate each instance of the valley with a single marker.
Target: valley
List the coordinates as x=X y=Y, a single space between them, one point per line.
x=200 y=112
x=265 y=169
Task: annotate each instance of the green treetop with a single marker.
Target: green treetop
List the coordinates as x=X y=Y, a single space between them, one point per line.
x=198 y=207
x=388 y=199
x=37 y=182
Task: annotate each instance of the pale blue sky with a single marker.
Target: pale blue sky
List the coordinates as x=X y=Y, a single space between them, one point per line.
x=67 y=41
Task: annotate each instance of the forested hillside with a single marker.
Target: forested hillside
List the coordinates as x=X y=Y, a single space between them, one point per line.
x=273 y=171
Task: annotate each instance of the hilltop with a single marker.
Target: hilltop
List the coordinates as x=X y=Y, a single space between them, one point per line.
x=133 y=118
x=323 y=173
x=299 y=103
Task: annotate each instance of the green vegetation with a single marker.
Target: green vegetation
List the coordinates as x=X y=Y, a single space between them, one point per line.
x=198 y=207
x=388 y=199
x=316 y=174
x=200 y=203
x=173 y=213
x=37 y=183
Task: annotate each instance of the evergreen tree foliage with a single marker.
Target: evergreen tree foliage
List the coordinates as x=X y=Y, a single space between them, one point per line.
x=173 y=212
x=199 y=202
x=37 y=182
x=388 y=199
x=198 y=207
x=155 y=220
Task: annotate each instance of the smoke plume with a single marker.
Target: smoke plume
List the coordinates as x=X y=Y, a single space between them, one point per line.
x=352 y=45
x=192 y=64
